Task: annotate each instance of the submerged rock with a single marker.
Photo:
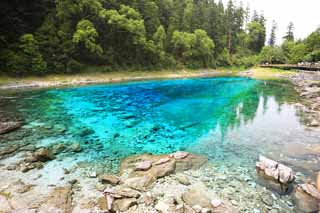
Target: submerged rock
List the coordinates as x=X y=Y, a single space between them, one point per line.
x=43 y=155
x=75 y=147
x=6 y=127
x=307 y=198
x=275 y=175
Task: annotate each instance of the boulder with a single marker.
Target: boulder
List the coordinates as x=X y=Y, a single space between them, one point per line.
x=275 y=175
x=109 y=179
x=6 y=127
x=306 y=198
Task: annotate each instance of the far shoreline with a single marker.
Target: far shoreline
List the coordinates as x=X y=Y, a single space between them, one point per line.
x=82 y=79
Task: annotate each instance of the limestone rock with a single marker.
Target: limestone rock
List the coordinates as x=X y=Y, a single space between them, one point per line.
x=163 y=169
x=166 y=206
x=276 y=175
x=102 y=203
x=179 y=155
x=162 y=161
x=140 y=183
x=43 y=155
x=59 y=200
x=143 y=165
x=6 y=127
x=216 y=203
x=109 y=179
x=306 y=197
x=197 y=195
x=183 y=180
x=75 y=147
x=191 y=161
x=124 y=204
x=58 y=148
x=128 y=192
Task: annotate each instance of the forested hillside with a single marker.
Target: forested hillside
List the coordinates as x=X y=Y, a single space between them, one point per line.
x=46 y=36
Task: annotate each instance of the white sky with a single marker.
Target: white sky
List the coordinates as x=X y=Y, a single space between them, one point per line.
x=304 y=14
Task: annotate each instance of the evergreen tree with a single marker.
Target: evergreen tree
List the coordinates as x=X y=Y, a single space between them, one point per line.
x=272 y=39
x=289 y=35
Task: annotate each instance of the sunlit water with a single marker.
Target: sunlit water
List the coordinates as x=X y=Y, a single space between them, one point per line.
x=231 y=120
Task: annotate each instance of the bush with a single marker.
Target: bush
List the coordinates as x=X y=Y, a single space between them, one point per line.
x=272 y=55
x=248 y=61
x=74 y=66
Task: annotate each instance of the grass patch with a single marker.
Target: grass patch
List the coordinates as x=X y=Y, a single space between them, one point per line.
x=271 y=73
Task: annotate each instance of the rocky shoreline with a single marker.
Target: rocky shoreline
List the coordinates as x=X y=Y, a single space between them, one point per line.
x=172 y=183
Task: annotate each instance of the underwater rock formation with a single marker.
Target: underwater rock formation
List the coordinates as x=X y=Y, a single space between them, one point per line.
x=6 y=127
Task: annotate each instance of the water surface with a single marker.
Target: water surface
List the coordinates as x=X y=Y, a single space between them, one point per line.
x=229 y=119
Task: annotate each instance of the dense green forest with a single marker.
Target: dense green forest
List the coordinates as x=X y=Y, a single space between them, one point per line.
x=63 y=36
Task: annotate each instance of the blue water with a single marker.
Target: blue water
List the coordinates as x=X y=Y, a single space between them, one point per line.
x=223 y=118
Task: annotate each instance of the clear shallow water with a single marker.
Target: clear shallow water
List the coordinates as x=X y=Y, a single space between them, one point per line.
x=231 y=120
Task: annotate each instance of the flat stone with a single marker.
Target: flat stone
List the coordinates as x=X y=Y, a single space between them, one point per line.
x=179 y=155
x=109 y=179
x=128 y=192
x=143 y=165
x=140 y=183
x=162 y=161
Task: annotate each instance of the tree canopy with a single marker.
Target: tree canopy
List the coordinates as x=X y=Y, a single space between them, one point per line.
x=151 y=34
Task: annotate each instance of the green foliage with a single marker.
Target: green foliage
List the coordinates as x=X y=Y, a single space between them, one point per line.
x=256 y=36
x=151 y=34
x=86 y=34
x=272 y=55
x=191 y=47
x=27 y=59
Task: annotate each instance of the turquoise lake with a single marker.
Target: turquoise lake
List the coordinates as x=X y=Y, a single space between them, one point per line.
x=229 y=119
